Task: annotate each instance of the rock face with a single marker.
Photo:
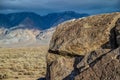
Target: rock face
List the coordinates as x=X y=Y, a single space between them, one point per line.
x=83 y=35
x=86 y=49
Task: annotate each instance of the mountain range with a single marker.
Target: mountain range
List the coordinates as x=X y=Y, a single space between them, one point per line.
x=33 y=20
x=28 y=28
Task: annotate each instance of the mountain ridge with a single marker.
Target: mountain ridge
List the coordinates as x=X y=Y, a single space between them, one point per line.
x=39 y=22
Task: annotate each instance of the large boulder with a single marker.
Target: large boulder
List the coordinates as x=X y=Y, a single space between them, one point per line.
x=86 y=49
x=81 y=36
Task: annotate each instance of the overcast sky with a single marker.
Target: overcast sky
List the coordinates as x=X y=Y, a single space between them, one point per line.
x=48 y=6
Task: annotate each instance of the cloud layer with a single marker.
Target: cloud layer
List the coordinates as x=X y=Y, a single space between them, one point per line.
x=47 y=6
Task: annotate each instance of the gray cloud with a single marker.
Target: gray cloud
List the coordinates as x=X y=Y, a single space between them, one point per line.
x=46 y=6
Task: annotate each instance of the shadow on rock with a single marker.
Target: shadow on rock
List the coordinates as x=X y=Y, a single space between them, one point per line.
x=75 y=72
x=42 y=78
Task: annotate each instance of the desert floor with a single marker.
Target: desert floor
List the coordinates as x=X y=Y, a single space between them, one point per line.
x=23 y=63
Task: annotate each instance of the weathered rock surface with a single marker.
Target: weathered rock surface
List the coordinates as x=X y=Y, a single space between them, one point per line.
x=83 y=35
x=86 y=49
x=105 y=67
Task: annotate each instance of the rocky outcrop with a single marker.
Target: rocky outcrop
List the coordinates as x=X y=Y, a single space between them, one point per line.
x=104 y=67
x=86 y=49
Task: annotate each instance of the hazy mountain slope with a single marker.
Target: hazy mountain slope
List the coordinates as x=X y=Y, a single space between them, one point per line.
x=24 y=18
x=4 y=21
x=24 y=37
x=33 y=20
x=54 y=19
